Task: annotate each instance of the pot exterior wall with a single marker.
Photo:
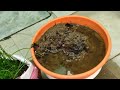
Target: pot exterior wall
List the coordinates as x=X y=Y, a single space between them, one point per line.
x=90 y=77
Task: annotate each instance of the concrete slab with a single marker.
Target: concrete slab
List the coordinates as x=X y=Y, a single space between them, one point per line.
x=13 y=21
x=12 y=49
x=63 y=13
x=110 y=20
x=23 y=39
x=117 y=60
x=105 y=74
x=114 y=66
x=6 y=44
x=32 y=30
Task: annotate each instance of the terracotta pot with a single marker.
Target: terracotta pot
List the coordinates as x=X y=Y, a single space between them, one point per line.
x=31 y=72
x=77 y=20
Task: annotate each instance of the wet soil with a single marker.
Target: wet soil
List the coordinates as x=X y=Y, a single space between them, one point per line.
x=70 y=47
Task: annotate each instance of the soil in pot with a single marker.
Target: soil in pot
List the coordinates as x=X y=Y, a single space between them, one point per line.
x=68 y=48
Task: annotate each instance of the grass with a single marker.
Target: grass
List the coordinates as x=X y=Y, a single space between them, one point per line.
x=10 y=68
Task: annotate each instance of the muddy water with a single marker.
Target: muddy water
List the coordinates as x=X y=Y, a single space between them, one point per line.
x=70 y=47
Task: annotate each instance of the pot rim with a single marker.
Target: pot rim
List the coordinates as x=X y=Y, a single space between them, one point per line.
x=76 y=76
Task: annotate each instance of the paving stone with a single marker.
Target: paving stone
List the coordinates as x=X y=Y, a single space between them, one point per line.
x=23 y=39
x=13 y=21
x=62 y=13
x=105 y=74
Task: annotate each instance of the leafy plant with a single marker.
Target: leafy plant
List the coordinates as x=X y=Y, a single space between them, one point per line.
x=10 y=68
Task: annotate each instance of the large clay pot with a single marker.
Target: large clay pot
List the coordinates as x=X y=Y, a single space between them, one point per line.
x=77 y=20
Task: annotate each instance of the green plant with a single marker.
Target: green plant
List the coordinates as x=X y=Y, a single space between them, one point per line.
x=10 y=68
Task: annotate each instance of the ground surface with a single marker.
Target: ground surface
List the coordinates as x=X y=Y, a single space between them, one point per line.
x=109 y=19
